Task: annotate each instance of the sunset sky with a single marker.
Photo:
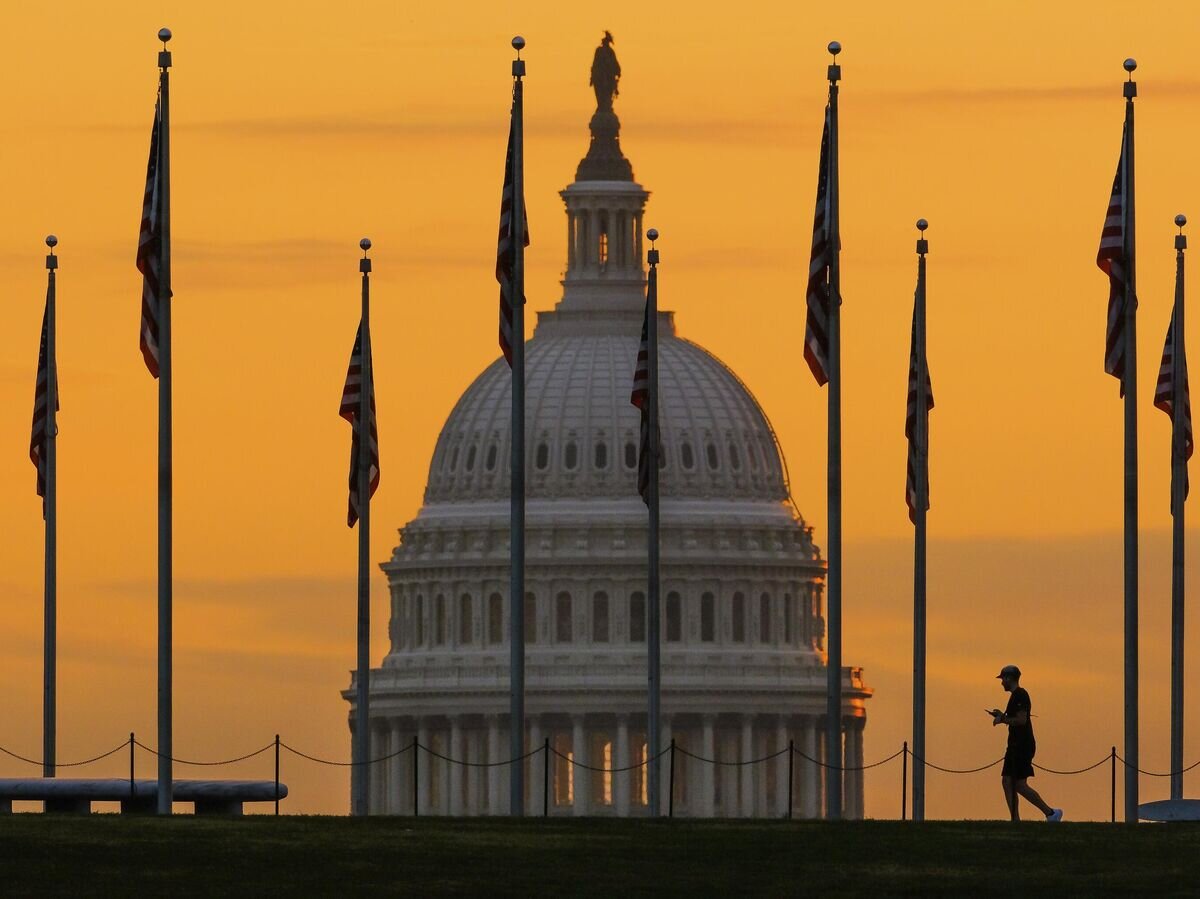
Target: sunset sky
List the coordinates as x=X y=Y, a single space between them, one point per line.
x=303 y=126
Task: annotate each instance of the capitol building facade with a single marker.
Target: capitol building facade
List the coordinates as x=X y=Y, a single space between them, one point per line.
x=743 y=660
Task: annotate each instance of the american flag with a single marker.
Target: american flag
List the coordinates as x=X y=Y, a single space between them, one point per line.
x=506 y=249
x=148 y=258
x=37 y=442
x=910 y=427
x=1111 y=260
x=1164 y=398
x=351 y=394
x=641 y=398
x=816 y=330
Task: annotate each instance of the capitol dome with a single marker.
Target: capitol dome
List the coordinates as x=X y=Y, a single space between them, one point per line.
x=743 y=659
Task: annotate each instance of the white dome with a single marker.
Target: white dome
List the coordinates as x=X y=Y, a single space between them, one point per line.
x=582 y=431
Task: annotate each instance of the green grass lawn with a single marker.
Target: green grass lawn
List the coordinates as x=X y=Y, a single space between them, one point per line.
x=42 y=855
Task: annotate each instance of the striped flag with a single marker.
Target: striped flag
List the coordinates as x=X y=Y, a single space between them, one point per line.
x=148 y=251
x=1164 y=398
x=641 y=398
x=1111 y=260
x=910 y=426
x=816 y=330
x=351 y=395
x=37 y=442
x=506 y=251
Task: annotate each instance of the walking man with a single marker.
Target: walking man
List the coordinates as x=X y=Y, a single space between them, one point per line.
x=1018 y=757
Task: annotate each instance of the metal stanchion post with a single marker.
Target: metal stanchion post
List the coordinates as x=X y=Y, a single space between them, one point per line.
x=132 y=789
x=671 y=784
x=546 y=778
x=277 y=774
x=791 y=760
x=904 y=782
x=416 y=780
x=1113 y=765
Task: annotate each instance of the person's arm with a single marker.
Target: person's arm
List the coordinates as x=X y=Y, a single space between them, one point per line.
x=1019 y=718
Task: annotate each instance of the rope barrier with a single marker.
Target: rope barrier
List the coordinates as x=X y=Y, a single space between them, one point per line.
x=320 y=761
x=956 y=770
x=700 y=758
x=97 y=758
x=446 y=758
x=895 y=754
x=641 y=764
x=1157 y=773
x=1107 y=758
x=240 y=758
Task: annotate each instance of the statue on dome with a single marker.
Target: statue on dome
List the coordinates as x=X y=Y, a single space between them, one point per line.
x=606 y=72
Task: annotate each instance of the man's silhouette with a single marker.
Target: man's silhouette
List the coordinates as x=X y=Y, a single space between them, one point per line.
x=1018 y=757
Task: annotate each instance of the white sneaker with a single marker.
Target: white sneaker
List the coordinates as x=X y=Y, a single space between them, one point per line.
x=1055 y=816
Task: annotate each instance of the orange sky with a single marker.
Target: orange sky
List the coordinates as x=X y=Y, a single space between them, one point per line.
x=305 y=126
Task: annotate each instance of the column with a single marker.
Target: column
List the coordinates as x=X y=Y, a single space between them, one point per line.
x=664 y=764
x=424 y=767
x=747 y=771
x=495 y=772
x=377 y=782
x=570 y=241
x=354 y=772
x=622 y=759
x=810 y=794
x=583 y=782
x=455 y=805
x=708 y=749
x=533 y=767
x=396 y=779
x=637 y=237
x=854 y=749
x=475 y=801
x=781 y=768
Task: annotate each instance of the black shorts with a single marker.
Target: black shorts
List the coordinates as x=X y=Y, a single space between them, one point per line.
x=1018 y=762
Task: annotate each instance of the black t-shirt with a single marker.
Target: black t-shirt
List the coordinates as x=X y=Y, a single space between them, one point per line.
x=1020 y=735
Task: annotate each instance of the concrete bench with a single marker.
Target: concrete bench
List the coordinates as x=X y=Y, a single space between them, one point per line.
x=211 y=797
x=1170 y=810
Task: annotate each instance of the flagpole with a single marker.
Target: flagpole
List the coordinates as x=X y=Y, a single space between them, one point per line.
x=653 y=615
x=833 y=711
x=50 y=669
x=921 y=477
x=362 y=679
x=516 y=590
x=164 y=438
x=1131 y=471
x=1179 y=415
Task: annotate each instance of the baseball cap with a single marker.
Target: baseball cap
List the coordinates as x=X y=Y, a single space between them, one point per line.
x=1011 y=670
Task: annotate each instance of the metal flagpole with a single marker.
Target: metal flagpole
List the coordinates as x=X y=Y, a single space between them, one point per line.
x=49 y=449
x=833 y=712
x=921 y=438
x=164 y=434
x=653 y=617
x=362 y=679
x=516 y=589
x=1131 y=471
x=1179 y=416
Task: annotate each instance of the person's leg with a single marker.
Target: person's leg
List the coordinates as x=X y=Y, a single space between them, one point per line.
x=1010 y=798
x=1022 y=786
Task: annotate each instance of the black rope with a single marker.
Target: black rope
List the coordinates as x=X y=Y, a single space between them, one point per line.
x=1080 y=771
x=1157 y=773
x=240 y=758
x=955 y=770
x=894 y=755
x=642 y=764
x=700 y=758
x=320 y=761
x=97 y=758
x=446 y=758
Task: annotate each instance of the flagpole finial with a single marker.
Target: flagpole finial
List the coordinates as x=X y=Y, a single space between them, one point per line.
x=652 y=255
x=364 y=245
x=835 y=71
x=164 y=35
x=922 y=243
x=1180 y=238
x=1130 y=65
x=52 y=241
x=364 y=264
x=1180 y=221
x=518 y=66
x=164 y=55
x=51 y=259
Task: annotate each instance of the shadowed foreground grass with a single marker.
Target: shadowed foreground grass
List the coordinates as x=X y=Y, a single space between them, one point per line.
x=311 y=855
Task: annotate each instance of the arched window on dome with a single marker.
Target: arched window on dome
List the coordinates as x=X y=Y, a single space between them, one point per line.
x=495 y=619
x=630 y=455
x=530 y=618
x=686 y=457
x=571 y=456
x=419 y=622
x=674 y=618
x=637 y=617
x=600 y=458
x=490 y=461
x=542 y=459
x=711 y=452
x=752 y=455
x=471 y=458
x=563 y=622
x=454 y=459
x=735 y=459
x=738 y=612
x=764 y=618
x=603 y=250
x=465 y=620
x=708 y=618
x=600 y=617
x=439 y=620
